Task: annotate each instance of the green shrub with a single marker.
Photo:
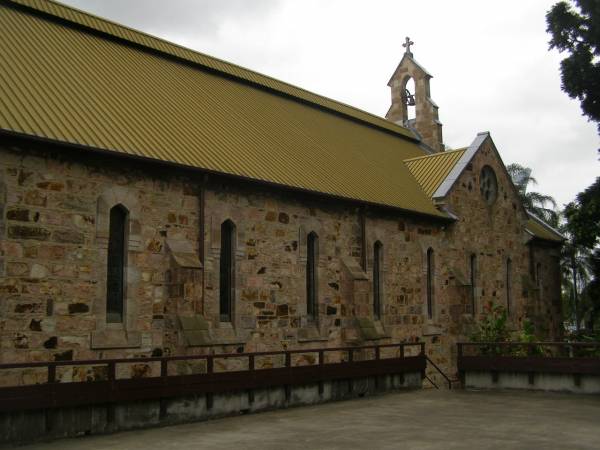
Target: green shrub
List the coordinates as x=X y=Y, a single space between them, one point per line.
x=493 y=328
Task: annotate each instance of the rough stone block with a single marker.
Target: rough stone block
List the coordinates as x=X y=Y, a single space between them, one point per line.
x=68 y=236
x=105 y=339
x=21 y=232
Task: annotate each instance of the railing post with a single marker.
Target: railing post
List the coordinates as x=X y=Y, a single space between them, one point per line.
x=51 y=373
x=350 y=360
x=111 y=376
x=209 y=371
x=51 y=380
x=164 y=372
x=251 y=369
x=461 y=373
x=401 y=376
x=288 y=365
x=422 y=353
x=321 y=362
x=377 y=357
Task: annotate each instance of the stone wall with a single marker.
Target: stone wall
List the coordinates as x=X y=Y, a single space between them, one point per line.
x=54 y=250
x=495 y=233
x=55 y=247
x=544 y=303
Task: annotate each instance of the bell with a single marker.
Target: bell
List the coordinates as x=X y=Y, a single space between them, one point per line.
x=409 y=98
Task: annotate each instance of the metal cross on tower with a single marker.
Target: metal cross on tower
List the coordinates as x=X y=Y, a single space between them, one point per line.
x=407 y=44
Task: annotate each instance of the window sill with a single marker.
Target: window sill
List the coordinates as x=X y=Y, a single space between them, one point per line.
x=311 y=334
x=115 y=339
x=429 y=329
x=217 y=343
x=196 y=332
x=378 y=338
x=314 y=339
x=371 y=329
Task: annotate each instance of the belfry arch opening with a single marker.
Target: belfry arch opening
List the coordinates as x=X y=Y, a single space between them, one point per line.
x=410 y=102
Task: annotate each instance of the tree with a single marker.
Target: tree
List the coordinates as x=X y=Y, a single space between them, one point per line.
x=575 y=29
x=534 y=202
x=592 y=290
x=583 y=216
x=575 y=268
x=583 y=228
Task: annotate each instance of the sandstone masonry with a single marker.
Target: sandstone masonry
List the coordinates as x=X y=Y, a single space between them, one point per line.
x=53 y=255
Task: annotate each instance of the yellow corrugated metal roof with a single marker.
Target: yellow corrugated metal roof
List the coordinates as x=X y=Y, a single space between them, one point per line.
x=542 y=231
x=63 y=83
x=431 y=170
x=91 y=21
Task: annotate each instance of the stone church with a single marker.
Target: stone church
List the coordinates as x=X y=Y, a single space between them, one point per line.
x=158 y=201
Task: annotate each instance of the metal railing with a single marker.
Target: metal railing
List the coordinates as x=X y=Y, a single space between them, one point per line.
x=441 y=372
x=54 y=392
x=576 y=358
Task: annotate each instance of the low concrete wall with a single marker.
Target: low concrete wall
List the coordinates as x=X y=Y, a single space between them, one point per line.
x=580 y=384
x=35 y=425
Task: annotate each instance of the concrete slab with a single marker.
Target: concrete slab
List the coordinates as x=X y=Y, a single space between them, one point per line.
x=413 y=420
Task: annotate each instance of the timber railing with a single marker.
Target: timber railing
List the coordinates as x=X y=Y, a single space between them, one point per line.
x=569 y=358
x=52 y=389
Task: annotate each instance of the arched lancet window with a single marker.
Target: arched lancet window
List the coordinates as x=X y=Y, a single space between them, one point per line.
x=473 y=271
x=116 y=264
x=227 y=271
x=430 y=278
x=312 y=292
x=508 y=284
x=377 y=278
x=538 y=275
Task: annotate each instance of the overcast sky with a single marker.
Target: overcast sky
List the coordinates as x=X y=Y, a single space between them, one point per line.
x=490 y=61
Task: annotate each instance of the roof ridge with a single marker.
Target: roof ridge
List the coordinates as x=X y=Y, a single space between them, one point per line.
x=243 y=73
x=433 y=155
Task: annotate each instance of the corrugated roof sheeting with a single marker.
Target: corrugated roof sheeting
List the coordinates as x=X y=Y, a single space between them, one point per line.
x=431 y=170
x=122 y=32
x=64 y=84
x=542 y=232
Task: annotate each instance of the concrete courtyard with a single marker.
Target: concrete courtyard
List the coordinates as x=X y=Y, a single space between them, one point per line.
x=408 y=420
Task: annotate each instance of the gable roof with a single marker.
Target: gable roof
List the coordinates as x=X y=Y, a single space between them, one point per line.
x=431 y=170
x=461 y=164
x=107 y=87
x=436 y=173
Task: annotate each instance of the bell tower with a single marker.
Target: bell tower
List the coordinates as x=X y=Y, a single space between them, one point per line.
x=426 y=122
